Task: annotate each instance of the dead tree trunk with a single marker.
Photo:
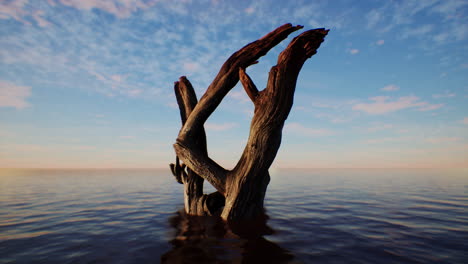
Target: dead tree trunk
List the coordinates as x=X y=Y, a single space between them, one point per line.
x=241 y=190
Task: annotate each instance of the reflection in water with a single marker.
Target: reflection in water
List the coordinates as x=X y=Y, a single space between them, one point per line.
x=320 y=216
x=207 y=239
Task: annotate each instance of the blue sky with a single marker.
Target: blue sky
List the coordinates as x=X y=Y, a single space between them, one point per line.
x=88 y=83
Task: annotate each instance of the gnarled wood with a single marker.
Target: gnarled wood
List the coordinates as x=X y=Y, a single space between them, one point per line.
x=248 y=84
x=242 y=190
x=195 y=201
x=228 y=77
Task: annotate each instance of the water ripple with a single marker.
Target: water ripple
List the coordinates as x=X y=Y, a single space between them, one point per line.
x=80 y=216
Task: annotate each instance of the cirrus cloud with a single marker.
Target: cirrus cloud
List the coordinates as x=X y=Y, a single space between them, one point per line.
x=383 y=105
x=390 y=88
x=12 y=95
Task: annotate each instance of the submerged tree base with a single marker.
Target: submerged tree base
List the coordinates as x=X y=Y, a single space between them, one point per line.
x=208 y=239
x=240 y=191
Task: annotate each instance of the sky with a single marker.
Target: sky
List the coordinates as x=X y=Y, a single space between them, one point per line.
x=89 y=83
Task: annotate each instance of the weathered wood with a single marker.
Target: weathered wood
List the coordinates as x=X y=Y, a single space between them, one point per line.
x=194 y=200
x=242 y=189
x=250 y=177
x=202 y=165
x=248 y=84
x=228 y=76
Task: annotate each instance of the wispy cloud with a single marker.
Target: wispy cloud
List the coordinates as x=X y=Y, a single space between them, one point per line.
x=384 y=105
x=442 y=140
x=249 y=10
x=335 y=118
x=418 y=31
x=425 y=106
x=387 y=140
x=380 y=42
x=119 y=8
x=446 y=94
x=379 y=127
x=220 y=127
x=12 y=95
x=390 y=88
x=297 y=128
x=373 y=18
x=18 y=11
x=403 y=16
x=240 y=96
x=353 y=51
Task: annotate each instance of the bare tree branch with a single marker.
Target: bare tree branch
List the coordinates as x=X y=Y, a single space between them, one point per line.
x=248 y=84
x=203 y=166
x=228 y=77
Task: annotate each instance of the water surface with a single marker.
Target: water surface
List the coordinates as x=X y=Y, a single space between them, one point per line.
x=317 y=216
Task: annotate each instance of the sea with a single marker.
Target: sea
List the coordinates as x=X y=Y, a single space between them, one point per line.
x=314 y=216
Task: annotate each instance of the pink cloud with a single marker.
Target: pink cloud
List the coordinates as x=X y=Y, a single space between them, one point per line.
x=12 y=95
x=191 y=66
x=17 y=10
x=382 y=105
x=464 y=121
x=390 y=88
x=380 y=42
x=353 y=51
x=249 y=10
x=119 y=8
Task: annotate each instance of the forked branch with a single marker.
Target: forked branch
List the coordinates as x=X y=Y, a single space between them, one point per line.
x=202 y=165
x=228 y=76
x=248 y=84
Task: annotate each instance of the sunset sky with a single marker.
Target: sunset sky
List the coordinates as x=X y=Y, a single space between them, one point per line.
x=89 y=83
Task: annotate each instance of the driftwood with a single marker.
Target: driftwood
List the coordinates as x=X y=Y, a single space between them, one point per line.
x=240 y=191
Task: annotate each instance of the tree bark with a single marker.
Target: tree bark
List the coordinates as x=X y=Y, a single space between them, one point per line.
x=242 y=189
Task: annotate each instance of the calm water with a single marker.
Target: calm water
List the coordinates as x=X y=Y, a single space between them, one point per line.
x=318 y=216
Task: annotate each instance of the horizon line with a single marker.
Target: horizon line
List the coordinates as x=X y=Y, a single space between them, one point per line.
x=163 y=168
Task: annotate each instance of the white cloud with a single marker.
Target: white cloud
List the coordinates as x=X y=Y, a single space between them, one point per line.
x=353 y=51
x=373 y=18
x=297 y=128
x=380 y=42
x=390 y=88
x=382 y=105
x=447 y=94
x=12 y=95
x=418 y=31
x=119 y=8
x=219 y=127
x=240 y=96
x=429 y=107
